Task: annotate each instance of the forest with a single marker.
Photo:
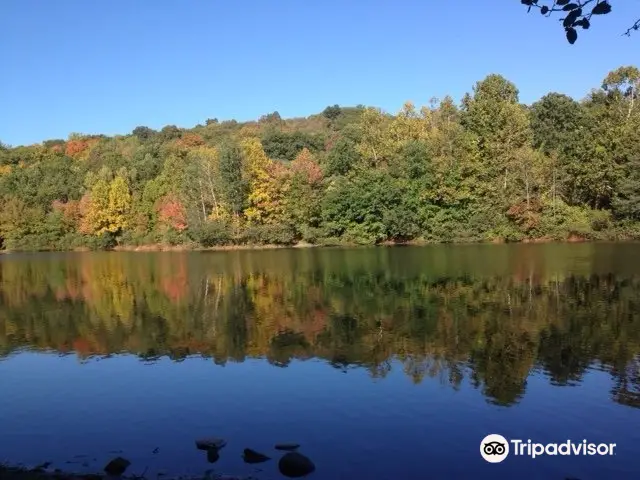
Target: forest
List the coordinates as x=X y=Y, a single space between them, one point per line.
x=489 y=169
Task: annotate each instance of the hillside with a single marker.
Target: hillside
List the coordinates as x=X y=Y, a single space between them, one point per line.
x=490 y=169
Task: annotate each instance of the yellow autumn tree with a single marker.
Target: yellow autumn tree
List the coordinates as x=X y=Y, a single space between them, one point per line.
x=375 y=145
x=266 y=184
x=95 y=205
x=407 y=125
x=119 y=204
x=106 y=207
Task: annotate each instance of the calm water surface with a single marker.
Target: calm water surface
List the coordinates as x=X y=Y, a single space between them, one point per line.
x=384 y=363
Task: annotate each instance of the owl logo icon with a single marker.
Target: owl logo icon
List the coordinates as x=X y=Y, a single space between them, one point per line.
x=494 y=448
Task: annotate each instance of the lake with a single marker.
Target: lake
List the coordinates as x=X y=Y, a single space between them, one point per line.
x=383 y=363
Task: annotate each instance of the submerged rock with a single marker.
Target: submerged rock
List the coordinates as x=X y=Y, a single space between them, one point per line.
x=287 y=446
x=294 y=464
x=210 y=443
x=251 y=456
x=43 y=466
x=117 y=466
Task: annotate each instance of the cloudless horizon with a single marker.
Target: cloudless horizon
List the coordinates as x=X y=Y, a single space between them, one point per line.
x=107 y=67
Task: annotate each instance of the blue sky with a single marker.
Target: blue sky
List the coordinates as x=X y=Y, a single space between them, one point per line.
x=108 y=66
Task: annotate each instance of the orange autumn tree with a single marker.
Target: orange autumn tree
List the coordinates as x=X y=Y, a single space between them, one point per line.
x=188 y=141
x=171 y=213
x=75 y=147
x=71 y=212
x=79 y=147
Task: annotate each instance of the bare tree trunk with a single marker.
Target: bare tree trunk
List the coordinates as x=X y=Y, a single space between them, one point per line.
x=526 y=185
x=213 y=197
x=553 y=194
x=204 y=210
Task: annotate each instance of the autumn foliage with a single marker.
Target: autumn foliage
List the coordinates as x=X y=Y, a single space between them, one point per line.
x=71 y=211
x=171 y=212
x=486 y=169
x=189 y=140
x=307 y=167
x=75 y=147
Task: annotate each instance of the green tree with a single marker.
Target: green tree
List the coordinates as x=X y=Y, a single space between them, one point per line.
x=234 y=187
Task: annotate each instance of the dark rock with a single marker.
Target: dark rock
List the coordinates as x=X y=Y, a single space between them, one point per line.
x=294 y=464
x=209 y=443
x=117 y=466
x=213 y=455
x=287 y=446
x=251 y=456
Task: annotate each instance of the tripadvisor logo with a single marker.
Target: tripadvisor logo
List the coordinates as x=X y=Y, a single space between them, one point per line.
x=495 y=448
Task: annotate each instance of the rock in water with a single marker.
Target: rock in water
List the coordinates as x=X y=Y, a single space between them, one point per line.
x=213 y=455
x=117 y=466
x=210 y=443
x=287 y=446
x=251 y=456
x=294 y=464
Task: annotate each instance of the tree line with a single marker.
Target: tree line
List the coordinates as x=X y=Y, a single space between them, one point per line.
x=488 y=169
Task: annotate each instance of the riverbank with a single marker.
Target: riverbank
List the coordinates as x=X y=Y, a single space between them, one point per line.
x=192 y=247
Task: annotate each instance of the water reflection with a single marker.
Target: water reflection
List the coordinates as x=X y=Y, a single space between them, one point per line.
x=490 y=317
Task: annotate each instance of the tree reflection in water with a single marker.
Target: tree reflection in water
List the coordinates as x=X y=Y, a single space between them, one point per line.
x=493 y=328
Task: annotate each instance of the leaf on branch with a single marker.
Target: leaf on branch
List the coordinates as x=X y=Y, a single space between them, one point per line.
x=561 y=2
x=570 y=6
x=572 y=17
x=544 y=10
x=572 y=35
x=584 y=23
x=601 y=9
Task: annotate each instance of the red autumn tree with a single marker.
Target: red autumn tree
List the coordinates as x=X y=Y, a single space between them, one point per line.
x=171 y=212
x=76 y=147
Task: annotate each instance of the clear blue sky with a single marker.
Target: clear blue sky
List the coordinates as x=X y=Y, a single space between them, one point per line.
x=106 y=66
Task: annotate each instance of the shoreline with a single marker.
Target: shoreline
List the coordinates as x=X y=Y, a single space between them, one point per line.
x=37 y=473
x=158 y=247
